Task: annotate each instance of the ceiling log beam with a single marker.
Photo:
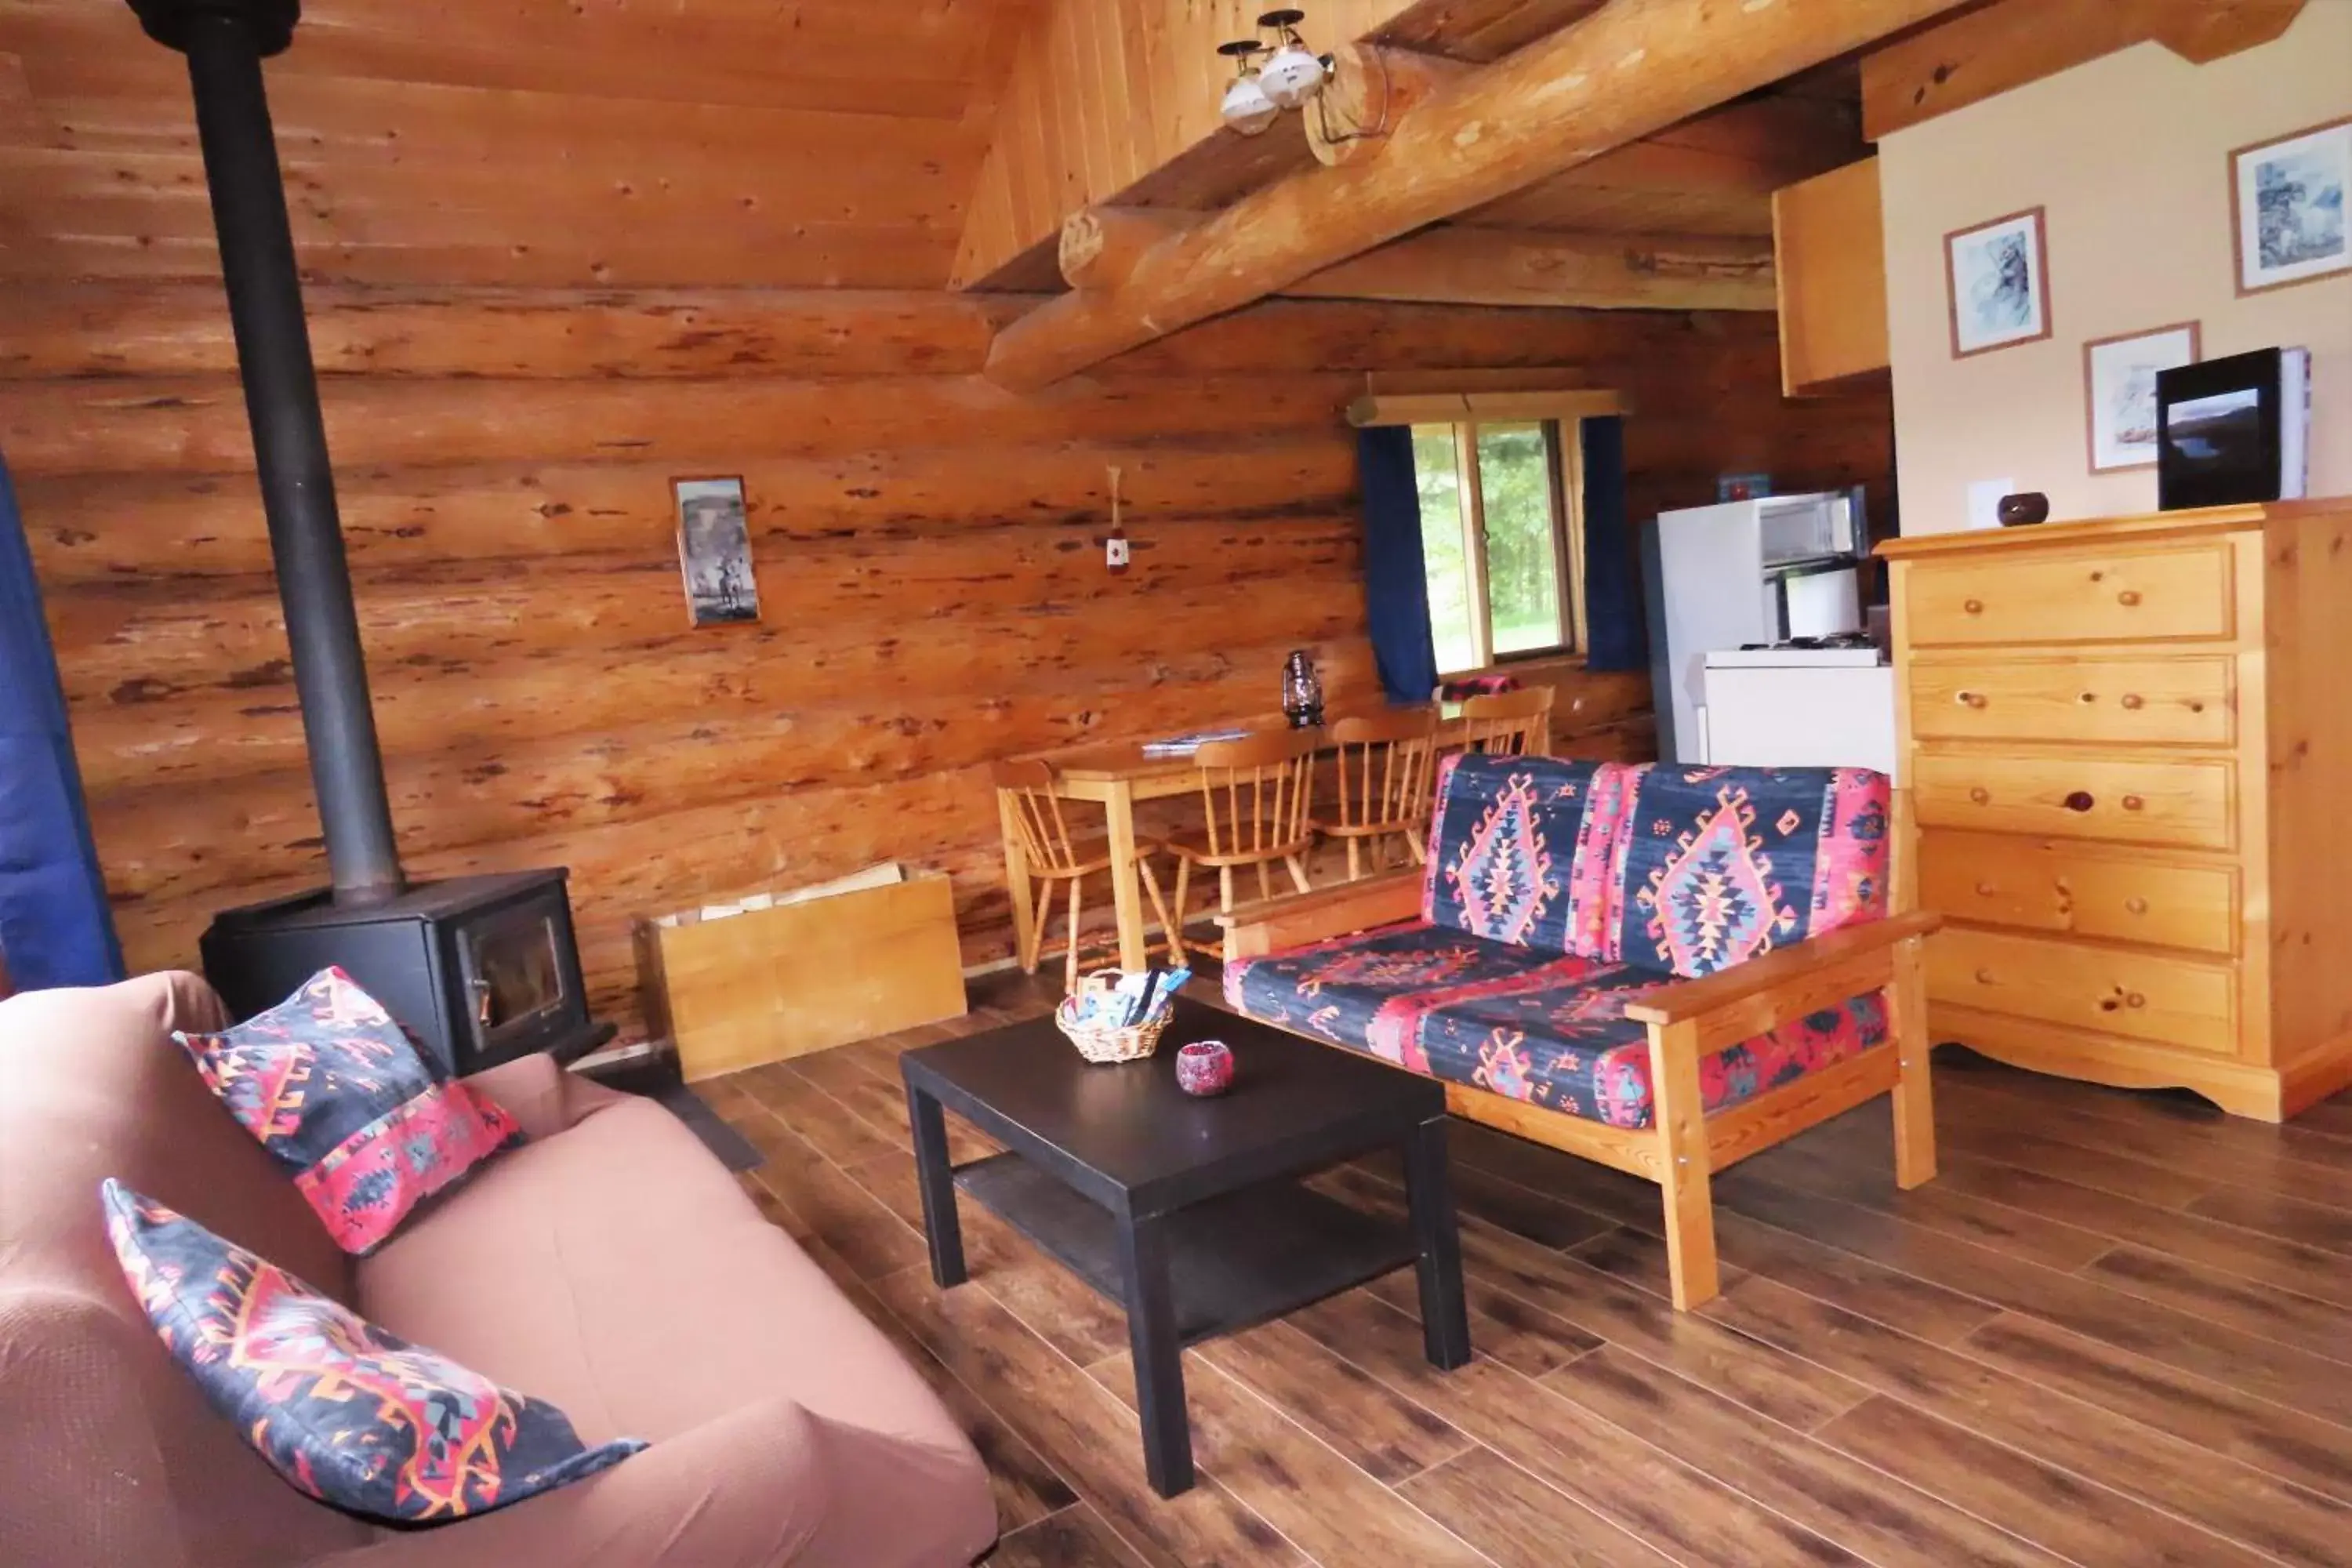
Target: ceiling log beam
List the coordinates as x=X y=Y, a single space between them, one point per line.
x=1370 y=88
x=1465 y=264
x=1632 y=69
x=2015 y=42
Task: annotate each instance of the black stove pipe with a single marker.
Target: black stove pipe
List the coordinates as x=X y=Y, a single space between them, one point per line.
x=225 y=41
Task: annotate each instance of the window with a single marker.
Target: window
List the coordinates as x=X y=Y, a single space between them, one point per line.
x=1505 y=559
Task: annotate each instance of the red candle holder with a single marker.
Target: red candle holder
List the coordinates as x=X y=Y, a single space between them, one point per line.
x=1205 y=1068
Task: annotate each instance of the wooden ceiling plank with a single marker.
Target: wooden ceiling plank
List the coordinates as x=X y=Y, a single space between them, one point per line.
x=863 y=69
x=1626 y=72
x=2013 y=42
x=1170 y=78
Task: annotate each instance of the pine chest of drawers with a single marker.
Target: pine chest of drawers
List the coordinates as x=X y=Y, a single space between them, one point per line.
x=2126 y=781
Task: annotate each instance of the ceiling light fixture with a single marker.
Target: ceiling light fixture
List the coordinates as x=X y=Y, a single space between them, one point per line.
x=1293 y=73
x=1290 y=76
x=1247 y=108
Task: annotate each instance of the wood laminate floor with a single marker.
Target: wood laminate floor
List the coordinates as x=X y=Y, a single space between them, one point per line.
x=2117 y=1330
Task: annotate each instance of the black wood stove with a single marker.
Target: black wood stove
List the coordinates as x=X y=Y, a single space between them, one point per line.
x=480 y=969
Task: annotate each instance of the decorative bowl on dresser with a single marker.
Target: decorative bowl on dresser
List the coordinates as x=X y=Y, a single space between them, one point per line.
x=2126 y=773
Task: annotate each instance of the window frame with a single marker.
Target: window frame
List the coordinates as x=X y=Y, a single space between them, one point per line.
x=1564 y=467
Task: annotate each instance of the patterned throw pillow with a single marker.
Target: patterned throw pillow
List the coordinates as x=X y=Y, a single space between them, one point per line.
x=349 y=1413
x=338 y=1094
x=1508 y=859
x=1715 y=866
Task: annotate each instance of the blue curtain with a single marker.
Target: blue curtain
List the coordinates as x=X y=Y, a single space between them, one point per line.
x=55 y=927
x=1396 y=584
x=1612 y=590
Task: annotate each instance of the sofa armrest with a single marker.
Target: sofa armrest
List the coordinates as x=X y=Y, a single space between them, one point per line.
x=1269 y=925
x=747 y=1490
x=540 y=1095
x=1749 y=999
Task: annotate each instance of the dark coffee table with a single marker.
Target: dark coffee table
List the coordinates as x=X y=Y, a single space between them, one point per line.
x=1189 y=1212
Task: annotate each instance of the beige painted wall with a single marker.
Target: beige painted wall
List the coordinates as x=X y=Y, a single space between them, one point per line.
x=2130 y=156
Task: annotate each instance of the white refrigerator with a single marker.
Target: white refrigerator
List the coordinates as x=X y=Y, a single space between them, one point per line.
x=1751 y=571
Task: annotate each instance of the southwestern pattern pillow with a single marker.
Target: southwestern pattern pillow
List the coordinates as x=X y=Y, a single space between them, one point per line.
x=1715 y=866
x=338 y=1095
x=1508 y=859
x=353 y=1415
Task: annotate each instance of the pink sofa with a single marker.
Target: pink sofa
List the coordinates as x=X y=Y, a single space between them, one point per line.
x=610 y=1265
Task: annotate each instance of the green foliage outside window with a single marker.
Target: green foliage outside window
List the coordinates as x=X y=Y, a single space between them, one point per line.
x=1513 y=474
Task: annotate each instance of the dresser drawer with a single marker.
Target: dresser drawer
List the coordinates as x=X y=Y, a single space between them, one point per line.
x=2186 y=804
x=2096 y=701
x=2117 y=595
x=2171 y=1000
x=2075 y=891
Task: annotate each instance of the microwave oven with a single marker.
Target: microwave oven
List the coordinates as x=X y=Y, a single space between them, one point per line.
x=1807 y=528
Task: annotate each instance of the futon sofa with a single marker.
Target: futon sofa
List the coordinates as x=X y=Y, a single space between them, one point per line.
x=1662 y=968
x=610 y=1265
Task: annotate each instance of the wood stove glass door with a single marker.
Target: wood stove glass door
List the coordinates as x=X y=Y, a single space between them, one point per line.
x=514 y=975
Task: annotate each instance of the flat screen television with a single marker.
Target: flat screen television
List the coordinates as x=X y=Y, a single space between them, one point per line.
x=2233 y=430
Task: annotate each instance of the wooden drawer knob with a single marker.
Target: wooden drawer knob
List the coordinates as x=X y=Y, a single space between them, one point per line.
x=2135 y=906
x=2133 y=802
x=2127 y=599
x=1971 y=699
x=2080 y=800
x=1984 y=976
x=2135 y=1000
x=1980 y=795
x=1973 y=606
x=2134 y=701
x=1986 y=889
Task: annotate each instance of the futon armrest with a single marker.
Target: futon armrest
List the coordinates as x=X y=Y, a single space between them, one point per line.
x=1270 y=925
x=1747 y=999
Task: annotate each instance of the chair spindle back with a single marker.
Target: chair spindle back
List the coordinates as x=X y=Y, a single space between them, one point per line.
x=1385 y=761
x=1256 y=792
x=1025 y=793
x=1515 y=723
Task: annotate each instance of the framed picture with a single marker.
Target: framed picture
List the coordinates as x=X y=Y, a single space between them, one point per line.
x=2287 y=207
x=714 y=552
x=2119 y=392
x=1999 y=273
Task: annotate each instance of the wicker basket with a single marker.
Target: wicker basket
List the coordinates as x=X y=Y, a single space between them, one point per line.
x=1107 y=1043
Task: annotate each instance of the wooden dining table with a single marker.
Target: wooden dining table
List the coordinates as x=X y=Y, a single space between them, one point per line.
x=1116 y=775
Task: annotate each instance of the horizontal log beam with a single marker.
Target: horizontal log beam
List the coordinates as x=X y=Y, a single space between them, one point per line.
x=1464 y=265
x=2014 y=42
x=1628 y=70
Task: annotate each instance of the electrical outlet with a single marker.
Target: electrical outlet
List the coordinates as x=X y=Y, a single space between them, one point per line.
x=1115 y=553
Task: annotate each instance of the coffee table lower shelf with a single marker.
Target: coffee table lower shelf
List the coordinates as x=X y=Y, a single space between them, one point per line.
x=1233 y=1262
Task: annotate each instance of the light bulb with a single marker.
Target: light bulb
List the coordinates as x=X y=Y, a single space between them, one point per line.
x=1292 y=75
x=1247 y=108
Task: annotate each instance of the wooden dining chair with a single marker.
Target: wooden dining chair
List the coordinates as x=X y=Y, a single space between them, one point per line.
x=1255 y=791
x=1517 y=723
x=1031 y=812
x=1384 y=767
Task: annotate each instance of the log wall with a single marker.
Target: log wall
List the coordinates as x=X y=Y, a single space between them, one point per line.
x=927 y=547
